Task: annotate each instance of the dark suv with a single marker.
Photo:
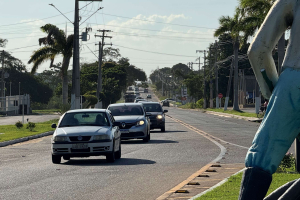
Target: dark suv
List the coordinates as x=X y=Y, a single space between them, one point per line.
x=157 y=118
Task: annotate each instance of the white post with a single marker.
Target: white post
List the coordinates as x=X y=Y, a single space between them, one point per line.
x=23 y=109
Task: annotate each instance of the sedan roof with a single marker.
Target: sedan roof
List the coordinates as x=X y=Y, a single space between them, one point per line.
x=86 y=110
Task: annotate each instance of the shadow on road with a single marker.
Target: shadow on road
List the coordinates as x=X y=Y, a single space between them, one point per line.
x=150 y=142
x=101 y=161
x=168 y=131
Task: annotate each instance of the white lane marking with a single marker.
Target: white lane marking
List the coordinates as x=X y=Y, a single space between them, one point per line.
x=207 y=134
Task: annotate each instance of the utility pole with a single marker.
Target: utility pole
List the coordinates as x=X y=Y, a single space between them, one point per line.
x=228 y=86
x=211 y=101
x=99 y=82
x=2 y=76
x=75 y=94
x=216 y=74
x=204 y=92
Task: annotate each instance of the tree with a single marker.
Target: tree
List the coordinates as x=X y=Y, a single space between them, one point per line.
x=56 y=43
x=233 y=26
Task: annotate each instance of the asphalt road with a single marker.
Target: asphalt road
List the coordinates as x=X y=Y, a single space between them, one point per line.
x=145 y=171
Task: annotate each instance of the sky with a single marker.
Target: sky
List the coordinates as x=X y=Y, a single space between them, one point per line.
x=152 y=34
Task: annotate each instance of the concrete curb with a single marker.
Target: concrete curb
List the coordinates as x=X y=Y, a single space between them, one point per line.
x=215 y=186
x=24 y=139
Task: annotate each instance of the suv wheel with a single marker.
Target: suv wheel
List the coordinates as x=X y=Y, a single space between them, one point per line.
x=66 y=157
x=163 y=129
x=147 y=138
x=118 y=153
x=56 y=159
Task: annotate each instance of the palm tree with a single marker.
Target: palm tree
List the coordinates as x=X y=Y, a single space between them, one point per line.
x=233 y=26
x=255 y=14
x=56 y=43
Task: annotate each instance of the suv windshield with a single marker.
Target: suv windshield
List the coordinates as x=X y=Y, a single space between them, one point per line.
x=126 y=110
x=84 y=119
x=152 y=107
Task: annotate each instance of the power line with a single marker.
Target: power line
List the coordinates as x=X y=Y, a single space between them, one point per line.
x=158 y=22
x=154 y=52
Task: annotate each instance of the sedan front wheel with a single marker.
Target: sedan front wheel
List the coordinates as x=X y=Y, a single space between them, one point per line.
x=56 y=159
x=111 y=156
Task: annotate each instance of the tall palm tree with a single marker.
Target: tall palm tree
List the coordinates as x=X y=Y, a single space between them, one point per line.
x=255 y=14
x=55 y=43
x=233 y=26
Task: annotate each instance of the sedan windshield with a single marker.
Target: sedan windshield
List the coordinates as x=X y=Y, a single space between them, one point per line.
x=126 y=110
x=152 y=108
x=84 y=119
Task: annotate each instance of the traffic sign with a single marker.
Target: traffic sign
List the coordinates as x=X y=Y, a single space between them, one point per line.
x=220 y=95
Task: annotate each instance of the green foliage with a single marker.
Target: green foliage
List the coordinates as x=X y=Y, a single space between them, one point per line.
x=90 y=100
x=19 y=124
x=199 y=103
x=64 y=108
x=30 y=126
x=287 y=163
x=29 y=84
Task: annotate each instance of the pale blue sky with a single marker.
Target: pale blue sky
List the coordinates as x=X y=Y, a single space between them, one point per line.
x=199 y=17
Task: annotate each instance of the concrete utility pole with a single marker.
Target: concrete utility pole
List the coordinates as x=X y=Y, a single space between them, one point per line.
x=75 y=94
x=228 y=86
x=216 y=74
x=204 y=92
x=99 y=82
x=2 y=76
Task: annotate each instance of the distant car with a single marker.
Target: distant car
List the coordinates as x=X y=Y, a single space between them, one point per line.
x=84 y=133
x=134 y=121
x=165 y=103
x=146 y=90
x=149 y=96
x=157 y=118
x=138 y=100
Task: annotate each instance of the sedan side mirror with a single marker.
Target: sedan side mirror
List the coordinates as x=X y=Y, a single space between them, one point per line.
x=148 y=114
x=165 y=111
x=116 y=124
x=53 y=126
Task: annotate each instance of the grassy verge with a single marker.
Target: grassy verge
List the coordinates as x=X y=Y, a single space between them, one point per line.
x=230 y=189
x=11 y=132
x=234 y=112
x=50 y=111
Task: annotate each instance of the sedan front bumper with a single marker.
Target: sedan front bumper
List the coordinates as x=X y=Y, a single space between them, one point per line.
x=92 y=149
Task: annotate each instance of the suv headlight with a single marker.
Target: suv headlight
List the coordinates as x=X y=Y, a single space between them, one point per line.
x=60 y=139
x=159 y=116
x=140 y=123
x=101 y=137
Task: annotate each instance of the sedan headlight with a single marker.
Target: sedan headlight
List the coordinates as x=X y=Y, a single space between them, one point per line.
x=60 y=139
x=101 y=137
x=140 y=123
x=159 y=116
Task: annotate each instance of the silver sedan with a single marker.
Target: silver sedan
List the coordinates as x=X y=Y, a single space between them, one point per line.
x=134 y=121
x=84 y=133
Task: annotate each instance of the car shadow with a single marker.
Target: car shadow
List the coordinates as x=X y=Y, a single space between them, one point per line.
x=168 y=131
x=101 y=161
x=150 y=142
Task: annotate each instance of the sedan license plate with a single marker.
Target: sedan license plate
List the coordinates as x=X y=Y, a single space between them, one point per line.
x=124 y=131
x=80 y=146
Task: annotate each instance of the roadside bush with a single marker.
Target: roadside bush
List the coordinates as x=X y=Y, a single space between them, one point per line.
x=287 y=163
x=19 y=124
x=30 y=126
x=91 y=99
x=199 y=103
x=64 y=108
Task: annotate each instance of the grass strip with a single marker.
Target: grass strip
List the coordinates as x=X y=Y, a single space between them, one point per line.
x=50 y=111
x=233 y=112
x=11 y=132
x=230 y=190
